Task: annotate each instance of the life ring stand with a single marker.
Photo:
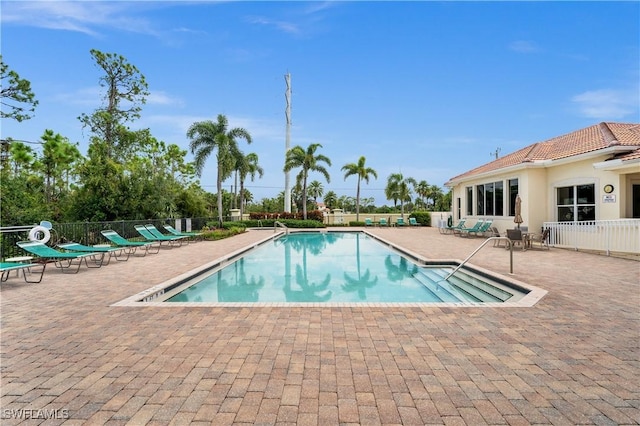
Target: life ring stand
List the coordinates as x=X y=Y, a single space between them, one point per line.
x=39 y=234
x=450 y=221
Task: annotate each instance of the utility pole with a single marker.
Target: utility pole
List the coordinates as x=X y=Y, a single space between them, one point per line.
x=287 y=188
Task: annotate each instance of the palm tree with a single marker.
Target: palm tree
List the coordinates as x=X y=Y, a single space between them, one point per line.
x=330 y=199
x=398 y=189
x=359 y=169
x=422 y=188
x=207 y=136
x=435 y=193
x=315 y=190
x=247 y=166
x=307 y=161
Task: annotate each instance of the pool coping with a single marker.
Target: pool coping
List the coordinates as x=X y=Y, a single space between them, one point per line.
x=145 y=298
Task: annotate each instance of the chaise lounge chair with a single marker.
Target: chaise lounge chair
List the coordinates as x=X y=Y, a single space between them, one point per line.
x=157 y=236
x=173 y=231
x=120 y=253
x=62 y=260
x=368 y=222
x=473 y=228
x=400 y=222
x=450 y=229
x=383 y=222
x=7 y=267
x=482 y=229
x=120 y=241
x=413 y=222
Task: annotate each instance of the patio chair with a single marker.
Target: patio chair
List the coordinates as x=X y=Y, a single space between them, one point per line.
x=482 y=229
x=7 y=267
x=368 y=222
x=515 y=236
x=450 y=229
x=400 y=222
x=190 y=235
x=495 y=233
x=413 y=222
x=157 y=236
x=120 y=241
x=473 y=228
x=62 y=260
x=120 y=253
x=541 y=239
x=383 y=222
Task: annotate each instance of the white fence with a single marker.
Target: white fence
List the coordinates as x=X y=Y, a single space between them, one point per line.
x=620 y=236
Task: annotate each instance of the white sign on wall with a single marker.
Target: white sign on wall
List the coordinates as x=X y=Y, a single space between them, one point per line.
x=608 y=198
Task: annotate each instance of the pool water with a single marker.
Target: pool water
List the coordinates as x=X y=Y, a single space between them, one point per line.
x=334 y=267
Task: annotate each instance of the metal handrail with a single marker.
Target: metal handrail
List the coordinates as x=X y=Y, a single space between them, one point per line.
x=282 y=225
x=478 y=249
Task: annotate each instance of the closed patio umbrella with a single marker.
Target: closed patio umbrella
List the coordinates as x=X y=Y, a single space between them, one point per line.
x=518 y=217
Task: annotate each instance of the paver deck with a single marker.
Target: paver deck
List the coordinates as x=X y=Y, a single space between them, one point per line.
x=573 y=358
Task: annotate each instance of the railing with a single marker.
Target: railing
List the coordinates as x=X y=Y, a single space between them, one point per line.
x=620 y=236
x=282 y=225
x=83 y=232
x=509 y=242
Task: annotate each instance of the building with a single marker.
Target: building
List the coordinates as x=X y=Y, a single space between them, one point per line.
x=585 y=177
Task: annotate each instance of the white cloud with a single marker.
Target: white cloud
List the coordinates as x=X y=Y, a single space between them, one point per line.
x=287 y=27
x=524 y=46
x=161 y=98
x=607 y=103
x=86 y=17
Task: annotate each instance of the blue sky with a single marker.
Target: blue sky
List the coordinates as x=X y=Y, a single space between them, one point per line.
x=427 y=89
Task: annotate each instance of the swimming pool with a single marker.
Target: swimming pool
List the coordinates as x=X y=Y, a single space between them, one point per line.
x=332 y=268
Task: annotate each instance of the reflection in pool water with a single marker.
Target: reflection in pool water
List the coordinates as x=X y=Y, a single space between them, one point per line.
x=324 y=267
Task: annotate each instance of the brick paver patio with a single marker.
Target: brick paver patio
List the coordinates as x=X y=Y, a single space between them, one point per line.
x=573 y=358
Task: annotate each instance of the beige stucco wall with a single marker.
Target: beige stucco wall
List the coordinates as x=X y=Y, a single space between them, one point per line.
x=537 y=184
x=583 y=172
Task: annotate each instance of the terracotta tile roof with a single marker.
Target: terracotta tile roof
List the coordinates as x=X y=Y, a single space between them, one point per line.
x=589 y=139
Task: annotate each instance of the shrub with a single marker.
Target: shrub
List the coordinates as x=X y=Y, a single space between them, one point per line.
x=423 y=218
x=289 y=223
x=219 y=234
x=315 y=215
x=354 y=223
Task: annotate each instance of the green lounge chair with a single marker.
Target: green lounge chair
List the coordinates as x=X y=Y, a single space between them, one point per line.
x=62 y=260
x=160 y=238
x=413 y=222
x=400 y=222
x=473 y=228
x=484 y=227
x=368 y=222
x=173 y=231
x=452 y=229
x=120 y=253
x=156 y=233
x=120 y=241
x=383 y=222
x=7 y=267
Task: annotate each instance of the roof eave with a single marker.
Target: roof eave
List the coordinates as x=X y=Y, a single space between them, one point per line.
x=613 y=165
x=528 y=164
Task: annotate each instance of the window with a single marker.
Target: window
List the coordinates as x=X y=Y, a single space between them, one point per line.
x=459 y=212
x=576 y=203
x=490 y=199
x=480 y=200
x=513 y=193
x=469 y=201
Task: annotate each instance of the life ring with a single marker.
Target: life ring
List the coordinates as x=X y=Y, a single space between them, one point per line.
x=39 y=234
